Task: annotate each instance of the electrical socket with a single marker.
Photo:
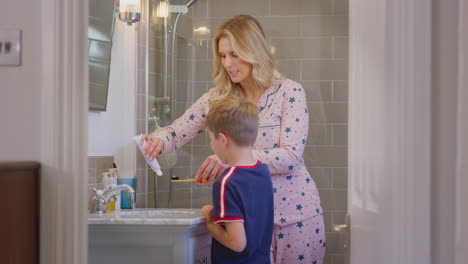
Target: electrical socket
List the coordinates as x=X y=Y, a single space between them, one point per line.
x=10 y=47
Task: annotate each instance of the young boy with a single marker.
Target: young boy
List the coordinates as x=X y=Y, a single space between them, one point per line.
x=241 y=219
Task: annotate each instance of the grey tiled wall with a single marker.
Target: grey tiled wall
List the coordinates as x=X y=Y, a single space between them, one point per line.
x=98 y=165
x=152 y=27
x=311 y=42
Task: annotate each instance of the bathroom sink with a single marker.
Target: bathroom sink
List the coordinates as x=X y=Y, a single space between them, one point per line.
x=148 y=235
x=160 y=213
x=149 y=216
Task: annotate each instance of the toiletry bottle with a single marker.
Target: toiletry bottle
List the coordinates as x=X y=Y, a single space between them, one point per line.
x=114 y=175
x=109 y=181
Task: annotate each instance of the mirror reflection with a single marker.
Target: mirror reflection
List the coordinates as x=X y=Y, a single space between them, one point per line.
x=100 y=32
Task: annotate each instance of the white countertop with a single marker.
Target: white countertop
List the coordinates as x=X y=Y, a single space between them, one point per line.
x=149 y=216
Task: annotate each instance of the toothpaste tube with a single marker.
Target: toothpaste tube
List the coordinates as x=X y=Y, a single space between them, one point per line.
x=154 y=164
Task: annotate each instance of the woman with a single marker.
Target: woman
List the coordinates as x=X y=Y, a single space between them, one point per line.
x=244 y=66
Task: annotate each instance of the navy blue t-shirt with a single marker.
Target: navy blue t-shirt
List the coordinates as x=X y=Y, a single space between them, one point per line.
x=244 y=194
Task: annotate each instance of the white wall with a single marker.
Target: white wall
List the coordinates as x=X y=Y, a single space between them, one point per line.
x=20 y=90
x=110 y=132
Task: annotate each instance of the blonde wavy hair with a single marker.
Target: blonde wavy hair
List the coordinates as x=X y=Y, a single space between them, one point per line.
x=249 y=43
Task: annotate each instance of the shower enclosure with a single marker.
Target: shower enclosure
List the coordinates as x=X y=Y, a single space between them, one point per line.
x=171 y=84
x=174 y=65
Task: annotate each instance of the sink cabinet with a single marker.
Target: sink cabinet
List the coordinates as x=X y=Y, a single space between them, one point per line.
x=148 y=243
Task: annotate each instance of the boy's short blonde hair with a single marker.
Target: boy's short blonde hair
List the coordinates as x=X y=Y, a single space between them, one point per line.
x=235 y=117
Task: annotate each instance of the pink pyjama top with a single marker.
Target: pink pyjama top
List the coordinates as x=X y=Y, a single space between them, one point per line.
x=280 y=143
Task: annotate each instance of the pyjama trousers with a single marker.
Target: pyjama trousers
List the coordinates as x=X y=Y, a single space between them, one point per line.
x=301 y=242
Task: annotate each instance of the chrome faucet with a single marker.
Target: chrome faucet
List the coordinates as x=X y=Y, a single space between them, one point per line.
x=102 y=197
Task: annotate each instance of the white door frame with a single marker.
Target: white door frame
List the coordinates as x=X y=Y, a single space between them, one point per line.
x=403 y=114
x=461 y=239
x=390 y=131
x=64 y=112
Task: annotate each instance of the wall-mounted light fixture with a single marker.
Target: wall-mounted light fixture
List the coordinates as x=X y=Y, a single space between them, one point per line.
x=130 y=11
x=164 y=8
x=202 y=30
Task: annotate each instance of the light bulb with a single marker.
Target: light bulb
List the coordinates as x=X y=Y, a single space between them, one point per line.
x=129 y=11
x=163 y=9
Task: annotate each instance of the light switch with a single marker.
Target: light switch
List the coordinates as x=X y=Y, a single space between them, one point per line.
x=10 y=47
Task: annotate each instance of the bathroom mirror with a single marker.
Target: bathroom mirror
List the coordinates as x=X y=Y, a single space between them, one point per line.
x=100 y=32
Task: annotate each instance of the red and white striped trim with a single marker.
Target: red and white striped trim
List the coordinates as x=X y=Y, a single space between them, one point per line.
x=229 y=219
x=222 y=200
x=254 y=165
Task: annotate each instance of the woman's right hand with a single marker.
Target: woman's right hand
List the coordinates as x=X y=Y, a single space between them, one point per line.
x=210 y=169
x=153 y=146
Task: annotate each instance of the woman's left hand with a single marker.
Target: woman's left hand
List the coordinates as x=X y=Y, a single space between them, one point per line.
x=210 y=169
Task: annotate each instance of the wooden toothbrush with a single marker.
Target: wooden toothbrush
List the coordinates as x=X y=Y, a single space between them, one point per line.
x=176 y=179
